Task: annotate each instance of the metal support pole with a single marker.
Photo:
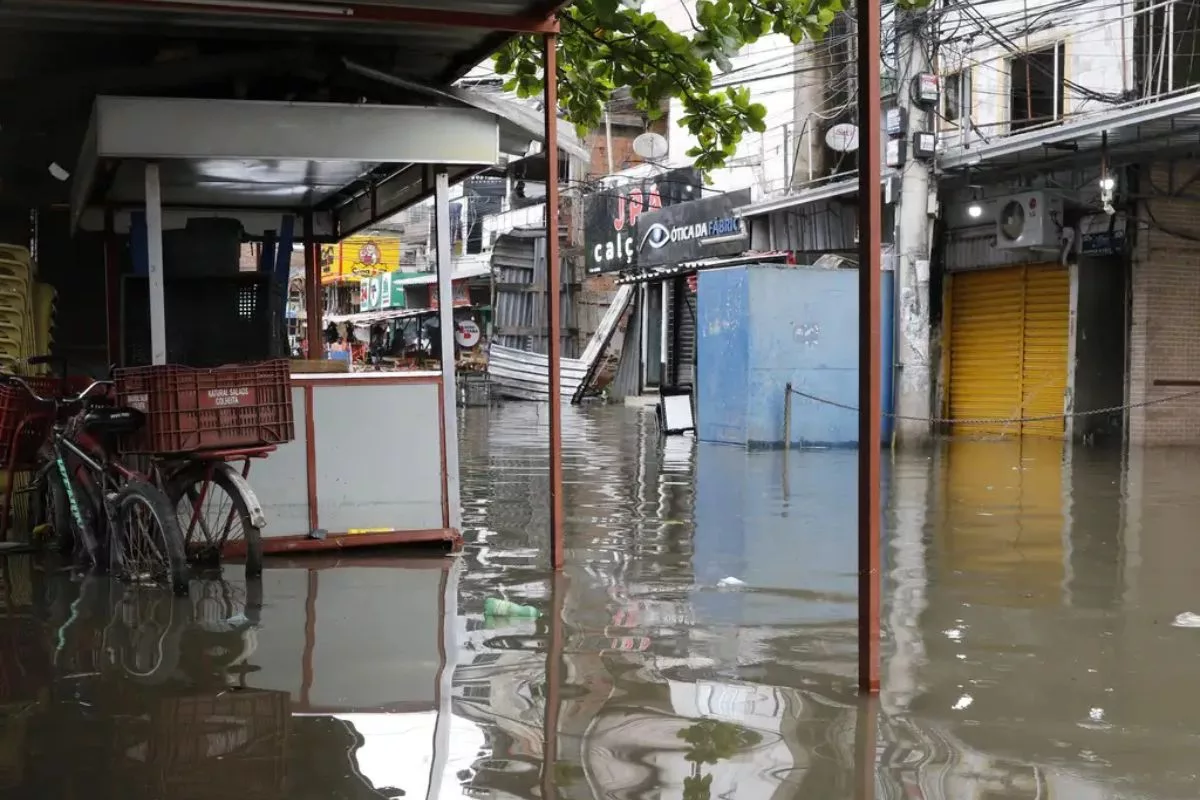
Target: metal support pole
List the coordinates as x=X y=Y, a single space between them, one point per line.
x=313 y=300
x=553 y=299
x=445 y=288
x=869 y=383
x=154 y=250
x=112 y=290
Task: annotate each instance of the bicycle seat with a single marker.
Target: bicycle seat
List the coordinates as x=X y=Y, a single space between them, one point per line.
x=113 y=419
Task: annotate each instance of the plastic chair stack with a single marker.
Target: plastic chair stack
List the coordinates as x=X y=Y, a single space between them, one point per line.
x=26 y=310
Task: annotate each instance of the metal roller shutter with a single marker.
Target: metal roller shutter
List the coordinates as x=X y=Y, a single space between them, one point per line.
x=687 y=334
x=1009 y=332
x=1044 y=362
x=985 y=349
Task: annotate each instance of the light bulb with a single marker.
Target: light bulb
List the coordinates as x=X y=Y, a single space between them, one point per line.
x=975 y=211
x=1107 y=183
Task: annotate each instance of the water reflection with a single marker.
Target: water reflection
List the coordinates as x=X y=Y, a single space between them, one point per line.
x=1028 y=651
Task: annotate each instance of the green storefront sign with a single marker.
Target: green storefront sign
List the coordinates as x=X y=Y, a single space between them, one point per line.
x=383 y=291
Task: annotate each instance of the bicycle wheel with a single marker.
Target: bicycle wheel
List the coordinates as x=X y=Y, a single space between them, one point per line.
x=223 y=519
x=147 y=542
x=54 y=512
x=145 y=632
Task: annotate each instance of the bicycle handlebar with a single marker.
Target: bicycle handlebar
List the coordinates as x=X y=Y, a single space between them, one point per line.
x=77 y=398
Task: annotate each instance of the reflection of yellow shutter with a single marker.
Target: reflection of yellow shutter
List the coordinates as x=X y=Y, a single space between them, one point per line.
x=1004 y=519
x=1044 y=366
x=1008 y=349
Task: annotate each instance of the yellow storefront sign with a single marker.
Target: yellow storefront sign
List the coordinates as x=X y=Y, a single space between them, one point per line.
x=359 y=256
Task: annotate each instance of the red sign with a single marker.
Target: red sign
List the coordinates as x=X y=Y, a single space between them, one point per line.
x=461 y=297
x=692 y=282
x=232 y=397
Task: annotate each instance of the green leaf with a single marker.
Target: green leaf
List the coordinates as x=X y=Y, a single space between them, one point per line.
x=611 y=45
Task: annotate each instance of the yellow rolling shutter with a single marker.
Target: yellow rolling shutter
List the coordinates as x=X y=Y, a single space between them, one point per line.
x=985 y=349
x=1009 y=330
x=1044 y=365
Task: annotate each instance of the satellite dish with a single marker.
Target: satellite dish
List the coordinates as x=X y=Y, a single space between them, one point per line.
x=842 y=137
x=651 y=146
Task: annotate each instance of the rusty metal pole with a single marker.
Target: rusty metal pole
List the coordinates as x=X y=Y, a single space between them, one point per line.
x=312 y=291
x=554 y=657
x=553 y=300
x=869 y=384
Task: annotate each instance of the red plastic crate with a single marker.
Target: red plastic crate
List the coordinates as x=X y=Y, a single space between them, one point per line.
x=16 y=405
x=188 y=409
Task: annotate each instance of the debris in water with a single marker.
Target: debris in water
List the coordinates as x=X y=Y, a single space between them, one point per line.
x=494 y=607
x=730 y=582
x=1187 y=619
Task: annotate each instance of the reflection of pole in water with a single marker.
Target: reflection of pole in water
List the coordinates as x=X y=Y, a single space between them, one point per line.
x=554 y=622
x=865 y=736
x=443 y=690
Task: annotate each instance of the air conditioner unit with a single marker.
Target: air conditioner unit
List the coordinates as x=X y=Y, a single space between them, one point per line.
x=1029 y=220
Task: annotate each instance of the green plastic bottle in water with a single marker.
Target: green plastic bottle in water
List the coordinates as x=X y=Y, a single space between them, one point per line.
x=494 y=607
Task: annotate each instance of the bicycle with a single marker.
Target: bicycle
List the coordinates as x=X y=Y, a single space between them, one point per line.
x=204 y=480
x=140 y=530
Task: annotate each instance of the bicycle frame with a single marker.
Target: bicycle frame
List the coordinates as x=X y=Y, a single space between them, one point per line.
x=95 y=466
x=214 y=460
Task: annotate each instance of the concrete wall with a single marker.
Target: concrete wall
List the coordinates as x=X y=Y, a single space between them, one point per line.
x=764 y=326
x=1099 y=375
x=1164 y=331
x=1099 y=55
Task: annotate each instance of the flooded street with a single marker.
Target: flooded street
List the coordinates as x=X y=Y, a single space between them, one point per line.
x=1029 y=644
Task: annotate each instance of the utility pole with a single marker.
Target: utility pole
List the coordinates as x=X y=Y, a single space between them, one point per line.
x=914 y=376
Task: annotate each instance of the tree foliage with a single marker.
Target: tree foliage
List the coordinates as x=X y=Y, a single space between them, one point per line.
x=606 y=45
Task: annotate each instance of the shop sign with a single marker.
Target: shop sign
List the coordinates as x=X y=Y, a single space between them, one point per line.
x=462 y=297
x=358 y=257
x=466 y=333
x=1102 y=235
x=611 y=216
x=381 y=291
x=703 y=228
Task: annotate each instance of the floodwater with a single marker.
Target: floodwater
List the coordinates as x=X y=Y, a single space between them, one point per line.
x=1030 y=650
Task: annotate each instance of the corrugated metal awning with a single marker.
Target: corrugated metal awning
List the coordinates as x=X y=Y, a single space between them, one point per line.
x=686 y=268
x=840 y=185
x=1164 y=124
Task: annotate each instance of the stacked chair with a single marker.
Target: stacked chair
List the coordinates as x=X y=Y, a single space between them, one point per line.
x=19 y=329
x=26 y=329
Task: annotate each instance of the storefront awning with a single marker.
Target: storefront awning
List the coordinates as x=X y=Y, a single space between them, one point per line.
x=1164 y=125
x=840 y=185
x=664 y=273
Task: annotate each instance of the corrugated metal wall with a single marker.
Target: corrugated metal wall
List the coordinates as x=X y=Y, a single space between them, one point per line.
x=626 y=382
x=975 y=248
x=519 y=302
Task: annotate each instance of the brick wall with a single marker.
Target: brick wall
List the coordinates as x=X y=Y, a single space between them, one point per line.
x=1164 y=336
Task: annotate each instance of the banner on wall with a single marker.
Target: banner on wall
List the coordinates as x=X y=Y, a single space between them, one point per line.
x=360 y=256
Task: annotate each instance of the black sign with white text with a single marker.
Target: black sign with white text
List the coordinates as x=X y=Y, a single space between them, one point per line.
x=611 y=215
x=703 y=228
